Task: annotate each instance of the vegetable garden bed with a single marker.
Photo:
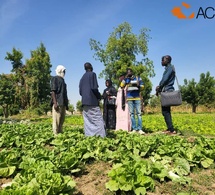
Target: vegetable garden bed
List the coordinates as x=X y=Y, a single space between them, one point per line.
x=36 y=162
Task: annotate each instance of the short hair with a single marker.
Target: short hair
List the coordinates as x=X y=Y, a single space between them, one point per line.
x=168 y=57
x=88 y=66
x=129 y=69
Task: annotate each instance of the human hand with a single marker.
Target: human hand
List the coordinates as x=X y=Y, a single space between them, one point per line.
x=157 y=90
x=56 y=107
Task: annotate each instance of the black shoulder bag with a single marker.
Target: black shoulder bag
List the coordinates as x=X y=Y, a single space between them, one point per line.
x=171 y=98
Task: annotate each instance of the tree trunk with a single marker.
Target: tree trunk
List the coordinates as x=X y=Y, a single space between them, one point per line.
x=194 y=108
x=5 y=111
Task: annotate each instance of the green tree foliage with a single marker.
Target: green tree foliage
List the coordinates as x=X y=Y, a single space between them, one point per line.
x=18 y=71
x=155 y=101
x=71 y=108
x=201 y=93
x=32 y=80
x=79 y=106
x=7 y=93
x=16 y=59
x=125 y=49
x=38 y=76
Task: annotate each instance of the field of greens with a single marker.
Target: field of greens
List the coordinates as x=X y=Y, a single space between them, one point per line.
x=39 y=163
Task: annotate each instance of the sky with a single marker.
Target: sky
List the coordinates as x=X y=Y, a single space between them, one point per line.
x=66 y=26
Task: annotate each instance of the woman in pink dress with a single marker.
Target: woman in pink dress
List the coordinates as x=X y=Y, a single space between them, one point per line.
x=123 y=120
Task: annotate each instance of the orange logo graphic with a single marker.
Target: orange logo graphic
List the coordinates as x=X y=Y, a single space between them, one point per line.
x=176 y=11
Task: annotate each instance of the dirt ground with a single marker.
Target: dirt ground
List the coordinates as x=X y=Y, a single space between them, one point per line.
x=92 y=182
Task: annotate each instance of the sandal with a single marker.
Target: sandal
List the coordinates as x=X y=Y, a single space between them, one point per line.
x=172 y=133
x=166 y=131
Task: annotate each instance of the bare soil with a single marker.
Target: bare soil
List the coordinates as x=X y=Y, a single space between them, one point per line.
x=92 y=182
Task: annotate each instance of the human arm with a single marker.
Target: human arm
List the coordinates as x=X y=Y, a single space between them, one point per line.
x=53 y=95
x=169 y=70
x=123 y=83
x=95 y=86
x=54 y=88
x=140 y=84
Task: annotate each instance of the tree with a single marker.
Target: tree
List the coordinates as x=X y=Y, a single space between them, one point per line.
x=7 y=92
x=71 y=108
x=121 y=51
x=32 y=79
x=201 y=93
x=18 y=71
x=16 y=59
x=155 y=101
x=79 y=106
x=38 y=69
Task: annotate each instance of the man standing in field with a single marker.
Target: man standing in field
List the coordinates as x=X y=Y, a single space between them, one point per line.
x=88 y=89
x=59 y=99
x=134 y=86
x=166 y=84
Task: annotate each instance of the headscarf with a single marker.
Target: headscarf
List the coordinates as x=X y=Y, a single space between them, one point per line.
x=60 y=71
x=110 y=82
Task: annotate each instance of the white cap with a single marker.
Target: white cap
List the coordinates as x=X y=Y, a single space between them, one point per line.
x=60 y=69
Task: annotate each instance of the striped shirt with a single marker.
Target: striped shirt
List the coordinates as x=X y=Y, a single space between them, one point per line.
x=134 y=86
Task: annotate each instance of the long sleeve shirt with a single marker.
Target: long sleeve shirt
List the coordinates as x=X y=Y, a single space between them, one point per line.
x=168 y=79
x=88 y=89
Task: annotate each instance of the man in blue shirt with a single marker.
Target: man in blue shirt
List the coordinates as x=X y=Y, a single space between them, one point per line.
x=133 y=85
x=166 y=84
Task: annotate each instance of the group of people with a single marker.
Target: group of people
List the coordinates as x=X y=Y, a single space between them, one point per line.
x=121 y=107
x=121 y=115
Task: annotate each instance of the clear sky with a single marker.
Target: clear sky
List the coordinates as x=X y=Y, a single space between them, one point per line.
x=66 y=26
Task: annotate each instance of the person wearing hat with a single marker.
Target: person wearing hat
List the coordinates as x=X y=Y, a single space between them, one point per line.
x=59 y=99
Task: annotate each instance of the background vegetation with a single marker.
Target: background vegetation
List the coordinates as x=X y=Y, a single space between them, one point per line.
x=27 y=87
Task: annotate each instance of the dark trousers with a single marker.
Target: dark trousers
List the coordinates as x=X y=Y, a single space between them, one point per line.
x=166 y=111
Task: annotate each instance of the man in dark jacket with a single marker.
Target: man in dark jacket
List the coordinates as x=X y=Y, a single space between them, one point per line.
x=88 y=89
x=166 y=84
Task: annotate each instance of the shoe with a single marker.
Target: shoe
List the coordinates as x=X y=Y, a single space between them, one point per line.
x=172 y=133
x=133 y=131
x=141 y=132
x=166 y=131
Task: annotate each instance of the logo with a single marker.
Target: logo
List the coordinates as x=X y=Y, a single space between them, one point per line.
x=206 y=13
x=176 y=11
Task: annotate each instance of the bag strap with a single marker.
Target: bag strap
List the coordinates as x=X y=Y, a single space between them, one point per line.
x=177 y=82
x=176 y=77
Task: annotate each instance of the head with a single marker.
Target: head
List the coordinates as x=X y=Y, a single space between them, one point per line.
x=60 y=71
x=121 y=77
x=88 y=67
x=129 y=72
x=165 y=60
x=108 y=83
